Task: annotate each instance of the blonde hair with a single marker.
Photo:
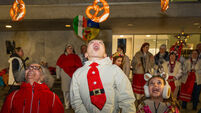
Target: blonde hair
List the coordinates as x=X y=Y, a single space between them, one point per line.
x=47 y=77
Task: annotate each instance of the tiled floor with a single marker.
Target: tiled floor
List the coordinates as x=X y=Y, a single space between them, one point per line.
x=57 y=90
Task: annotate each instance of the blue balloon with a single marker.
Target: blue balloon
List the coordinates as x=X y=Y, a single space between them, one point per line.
x=92 y=24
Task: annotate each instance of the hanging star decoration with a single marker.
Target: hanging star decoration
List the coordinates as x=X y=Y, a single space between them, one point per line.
x=182 y=38
x=181 y=42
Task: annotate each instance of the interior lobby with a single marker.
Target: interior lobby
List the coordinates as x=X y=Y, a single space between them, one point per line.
x=48 y=26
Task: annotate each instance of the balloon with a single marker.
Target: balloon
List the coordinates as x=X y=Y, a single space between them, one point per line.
x=91 y=33
x=85 y=29
x=92 y=24
x=79 y=26
x=164 y=5
x=97 y=9
x=18 y=10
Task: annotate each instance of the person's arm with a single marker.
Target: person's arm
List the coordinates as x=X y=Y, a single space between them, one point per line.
x=152 y=61
x=134 y=63
x=57 y=106
x=15 y=69
x=15 y=65
x=6 y=108
x=126 y=66
x=156 y=58
x=75 y=98
x=185 y=68
x=198 y=70
x=58 y=68
x=58 y=72
x=179 y=74
x=126 y=97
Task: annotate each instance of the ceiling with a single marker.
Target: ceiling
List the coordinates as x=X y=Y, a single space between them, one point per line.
x=118 y=25
x=81 y=2
x=46 y=2
x=128 y=17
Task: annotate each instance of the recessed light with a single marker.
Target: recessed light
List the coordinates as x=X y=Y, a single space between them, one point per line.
x=196 y=24
x=130 y=25
x=8 y=26
x=67 y=25
x=148 y=35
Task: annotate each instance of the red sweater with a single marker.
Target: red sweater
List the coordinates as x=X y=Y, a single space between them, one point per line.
x=69 y=63
x=32 y=99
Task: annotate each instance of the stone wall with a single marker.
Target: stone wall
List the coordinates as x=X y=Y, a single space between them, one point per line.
x=50 y=45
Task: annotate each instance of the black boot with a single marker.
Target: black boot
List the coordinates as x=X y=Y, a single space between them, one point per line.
x=195 y=106
x=184 y=105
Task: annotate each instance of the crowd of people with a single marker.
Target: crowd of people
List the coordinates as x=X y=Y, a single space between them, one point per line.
x=93 y=82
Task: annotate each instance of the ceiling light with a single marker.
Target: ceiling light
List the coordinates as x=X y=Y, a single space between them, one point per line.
x=148 y=35
x=67 y=25
x=8 y=26
x=121 y=36
x=196 y=24
x=130 y=25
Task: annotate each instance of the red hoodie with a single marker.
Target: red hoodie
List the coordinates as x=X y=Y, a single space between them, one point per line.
x=32 y=99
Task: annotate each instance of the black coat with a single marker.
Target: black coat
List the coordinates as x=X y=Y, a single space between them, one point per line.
x=165 y=57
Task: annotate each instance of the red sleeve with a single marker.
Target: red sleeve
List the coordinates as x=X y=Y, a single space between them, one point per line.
x=6 y=108
x=58 y=106
x=59 y=61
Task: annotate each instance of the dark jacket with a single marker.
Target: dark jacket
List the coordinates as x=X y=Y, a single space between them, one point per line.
x=165 y=57
x=16 y=66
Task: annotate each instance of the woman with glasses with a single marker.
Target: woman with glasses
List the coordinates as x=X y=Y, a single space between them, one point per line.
x=34 y=95
x=67 y=64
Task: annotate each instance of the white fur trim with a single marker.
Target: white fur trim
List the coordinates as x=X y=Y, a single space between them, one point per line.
x=147 y=76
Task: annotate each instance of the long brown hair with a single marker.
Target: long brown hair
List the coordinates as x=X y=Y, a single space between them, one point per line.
x=115 y=58
x=143 y=45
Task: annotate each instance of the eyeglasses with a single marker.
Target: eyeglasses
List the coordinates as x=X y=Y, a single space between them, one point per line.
x=69 y=48
x=33 y=68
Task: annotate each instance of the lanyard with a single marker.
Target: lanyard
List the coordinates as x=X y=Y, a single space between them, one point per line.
x=156 y=109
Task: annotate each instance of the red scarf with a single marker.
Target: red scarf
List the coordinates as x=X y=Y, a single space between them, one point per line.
x=69 y=63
